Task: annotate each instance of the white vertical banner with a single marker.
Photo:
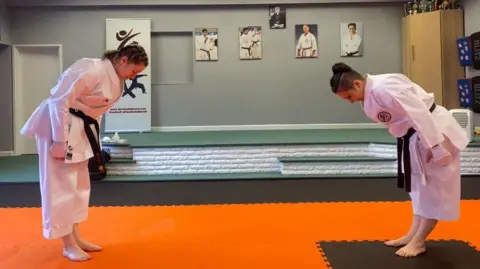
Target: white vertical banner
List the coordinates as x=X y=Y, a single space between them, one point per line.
x=133 y=112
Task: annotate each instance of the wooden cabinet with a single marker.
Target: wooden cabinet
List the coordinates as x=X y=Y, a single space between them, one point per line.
x=430 y=56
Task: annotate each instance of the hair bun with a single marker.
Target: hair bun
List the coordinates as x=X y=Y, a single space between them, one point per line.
x=340 y=68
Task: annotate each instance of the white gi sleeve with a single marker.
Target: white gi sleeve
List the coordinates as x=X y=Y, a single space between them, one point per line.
x=314 y=43
x=64 y=95
x=404 y=100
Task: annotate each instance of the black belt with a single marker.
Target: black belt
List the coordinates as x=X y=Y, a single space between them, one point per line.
x=404 y=180
x=249 y=50
x=208 y=53
x=94 y=142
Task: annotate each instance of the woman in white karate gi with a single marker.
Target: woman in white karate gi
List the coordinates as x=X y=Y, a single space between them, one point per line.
x=429 y=144
x=60 y=124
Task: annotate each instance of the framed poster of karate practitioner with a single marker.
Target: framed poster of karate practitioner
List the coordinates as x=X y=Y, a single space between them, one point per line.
x=277 y=17
x=206 y=44
x=351 y=39
x=250 y=42
x=306 y=41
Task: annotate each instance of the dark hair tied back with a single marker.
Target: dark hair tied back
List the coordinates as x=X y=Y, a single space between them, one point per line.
x=343 y=77
x=135 y=54
x=340 y=68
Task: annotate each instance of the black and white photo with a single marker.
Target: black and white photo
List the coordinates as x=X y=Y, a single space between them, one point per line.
x=277 y=17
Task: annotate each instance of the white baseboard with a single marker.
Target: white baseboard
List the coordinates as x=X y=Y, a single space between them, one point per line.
x=6 y=153
x=267 y=127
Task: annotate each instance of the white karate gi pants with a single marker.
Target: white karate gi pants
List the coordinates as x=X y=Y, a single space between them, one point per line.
x=65 y=190
x=440 y=198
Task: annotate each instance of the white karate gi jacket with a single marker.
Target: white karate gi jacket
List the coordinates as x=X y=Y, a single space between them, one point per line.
x=351 y=44
x=400 y=104
x=89 y=85
x=307 y=44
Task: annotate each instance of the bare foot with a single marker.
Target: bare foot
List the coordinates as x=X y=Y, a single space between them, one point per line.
x=412 y=249
x=400 y=242
x=76 y=254
x=87 y=246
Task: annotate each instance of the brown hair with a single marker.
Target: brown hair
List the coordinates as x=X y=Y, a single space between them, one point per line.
x=135 y=54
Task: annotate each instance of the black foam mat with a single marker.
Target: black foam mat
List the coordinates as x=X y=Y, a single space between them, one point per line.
x=444 y=254
x=230 y=192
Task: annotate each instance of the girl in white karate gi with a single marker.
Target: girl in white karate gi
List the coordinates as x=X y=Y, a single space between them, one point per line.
x=428 y=149
x=85 y=91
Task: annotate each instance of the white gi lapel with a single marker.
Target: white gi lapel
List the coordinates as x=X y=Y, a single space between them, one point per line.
x=117 y=84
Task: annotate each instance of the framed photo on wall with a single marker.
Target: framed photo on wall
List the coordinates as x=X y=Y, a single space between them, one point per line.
x=250 y=42
x=351 y=39
x=277 y=17
x=306 y=41
x=206 y=44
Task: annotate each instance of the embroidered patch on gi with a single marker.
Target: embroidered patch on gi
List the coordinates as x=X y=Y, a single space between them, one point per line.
x=384 y=116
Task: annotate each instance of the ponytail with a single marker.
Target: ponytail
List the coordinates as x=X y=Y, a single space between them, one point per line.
x=135 y=54
x=110 y=55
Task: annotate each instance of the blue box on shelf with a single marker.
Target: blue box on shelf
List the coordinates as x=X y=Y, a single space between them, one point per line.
x=464 y=49
x=465 y=92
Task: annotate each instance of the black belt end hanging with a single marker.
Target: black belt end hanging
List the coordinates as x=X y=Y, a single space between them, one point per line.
x=404 y=179
x=94 y=142
x=400 y=174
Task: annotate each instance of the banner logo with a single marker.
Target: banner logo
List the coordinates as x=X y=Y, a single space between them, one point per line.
x=124 y=37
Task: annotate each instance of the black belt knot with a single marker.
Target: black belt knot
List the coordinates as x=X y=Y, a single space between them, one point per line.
x=404 y=180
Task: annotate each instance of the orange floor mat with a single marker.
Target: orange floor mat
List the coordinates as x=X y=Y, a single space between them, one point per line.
x=218 y=236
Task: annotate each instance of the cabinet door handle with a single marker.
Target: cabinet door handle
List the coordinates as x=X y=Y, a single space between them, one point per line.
x=413 y=52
